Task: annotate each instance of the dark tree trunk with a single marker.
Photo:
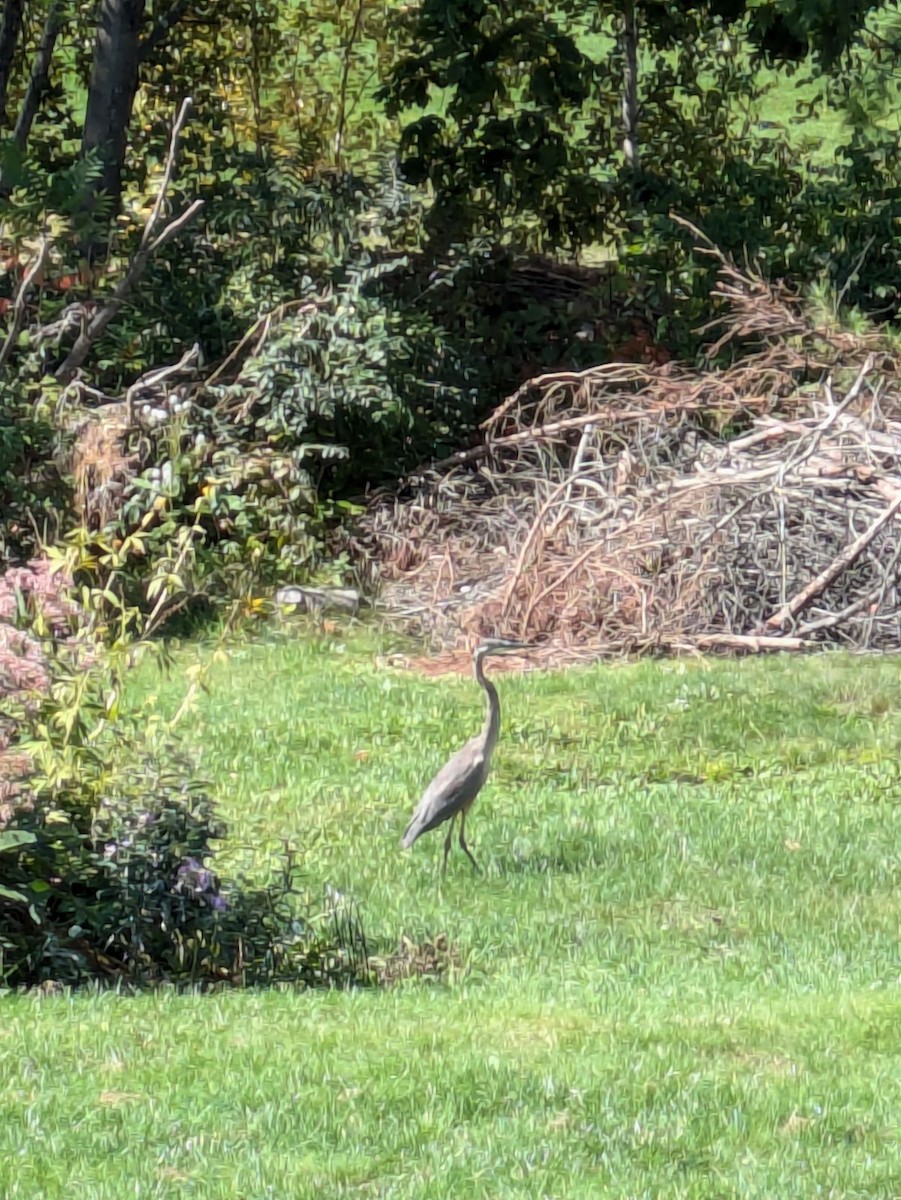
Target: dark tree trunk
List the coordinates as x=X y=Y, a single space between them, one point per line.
x=10 y=28
x=630 y=85
x=114 y=82
x=40 y=73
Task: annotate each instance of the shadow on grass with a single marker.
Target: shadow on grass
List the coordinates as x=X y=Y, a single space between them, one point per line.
x=568 y=857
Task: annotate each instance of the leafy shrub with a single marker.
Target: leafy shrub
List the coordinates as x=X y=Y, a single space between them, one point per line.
x=356 y=388
x=33 y=493
x=215 y=489
x=108 y=876
x=105 y=846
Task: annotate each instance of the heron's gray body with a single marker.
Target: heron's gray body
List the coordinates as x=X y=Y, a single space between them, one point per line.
x=453 y=789
x=460 y=780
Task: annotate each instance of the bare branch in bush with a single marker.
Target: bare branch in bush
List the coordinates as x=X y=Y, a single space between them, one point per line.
x=151 y=241
x=189 y=361
x=347 y=53
x=255 y=338
x=18 y=317
x=150 y=227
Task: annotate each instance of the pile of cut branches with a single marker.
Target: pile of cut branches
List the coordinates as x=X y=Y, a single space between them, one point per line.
x=632 y=508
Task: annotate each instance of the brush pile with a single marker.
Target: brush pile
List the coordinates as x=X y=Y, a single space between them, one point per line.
x=636 y=508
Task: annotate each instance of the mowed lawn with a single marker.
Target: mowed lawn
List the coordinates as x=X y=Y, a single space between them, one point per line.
x=682 y=958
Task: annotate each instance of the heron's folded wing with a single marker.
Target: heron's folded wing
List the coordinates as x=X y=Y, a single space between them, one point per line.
x=456 y=783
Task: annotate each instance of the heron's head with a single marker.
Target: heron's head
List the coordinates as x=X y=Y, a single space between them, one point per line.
x=499 y=646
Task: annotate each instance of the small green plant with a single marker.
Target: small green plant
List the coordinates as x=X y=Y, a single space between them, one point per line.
x=106 y=837
x=106 y=875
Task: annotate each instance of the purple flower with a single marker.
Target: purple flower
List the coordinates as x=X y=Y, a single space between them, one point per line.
x=194 y=877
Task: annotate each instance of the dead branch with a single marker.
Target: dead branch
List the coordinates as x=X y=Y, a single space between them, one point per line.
x=753 y=644
x=253 y=341
x=844 y=560
x=18 y=317
x=629 y=509
x=189 y=361
x=151 y=241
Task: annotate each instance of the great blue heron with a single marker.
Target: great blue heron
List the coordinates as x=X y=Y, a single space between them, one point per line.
x=460 y=780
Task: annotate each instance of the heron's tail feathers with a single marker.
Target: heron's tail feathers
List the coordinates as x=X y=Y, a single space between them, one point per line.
x=411 y=833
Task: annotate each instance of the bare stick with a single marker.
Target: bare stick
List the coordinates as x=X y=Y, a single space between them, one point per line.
x=573 y=475
x=151 y=241
x=835 y=568
x=835 y=411
x=150 y=227
x=552 y=429
x=857 y=265
x=532 y=535
x=19 y=306
x=347 y=57
x=709 y=246
x=833 y=619
x=606 y=372
x=767 y=433
x=630 y=109
x=188 y=361
x=256 y=335
x=756 y=644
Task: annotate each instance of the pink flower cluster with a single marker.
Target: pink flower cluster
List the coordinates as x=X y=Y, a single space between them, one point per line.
x=23 y=659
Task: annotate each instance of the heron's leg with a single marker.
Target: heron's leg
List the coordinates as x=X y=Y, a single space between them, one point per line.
x=463 y=845
x=447 y=843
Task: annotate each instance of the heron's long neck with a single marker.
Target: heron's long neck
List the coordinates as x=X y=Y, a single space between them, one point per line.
x=492 y=725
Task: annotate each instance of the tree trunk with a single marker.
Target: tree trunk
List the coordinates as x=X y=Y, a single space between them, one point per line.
x=10 y=28
x=114 y=82
x=40 y=73
x=630 y=85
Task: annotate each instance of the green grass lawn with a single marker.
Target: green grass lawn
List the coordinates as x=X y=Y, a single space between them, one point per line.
x=682 y=956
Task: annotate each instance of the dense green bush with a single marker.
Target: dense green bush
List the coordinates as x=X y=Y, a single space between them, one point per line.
x=355 y=326
x=356 y=388
x=34 y=496
x=105 y=869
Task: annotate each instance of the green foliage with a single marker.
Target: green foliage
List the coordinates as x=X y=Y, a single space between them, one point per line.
x=504 y=145
x=701 y=153
x=34 y=497
x=380 y=316
x=234 y=486
x=354 y=388
x=212 y=523
x=104 y=868
x=790 y=31
x=680 y=962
